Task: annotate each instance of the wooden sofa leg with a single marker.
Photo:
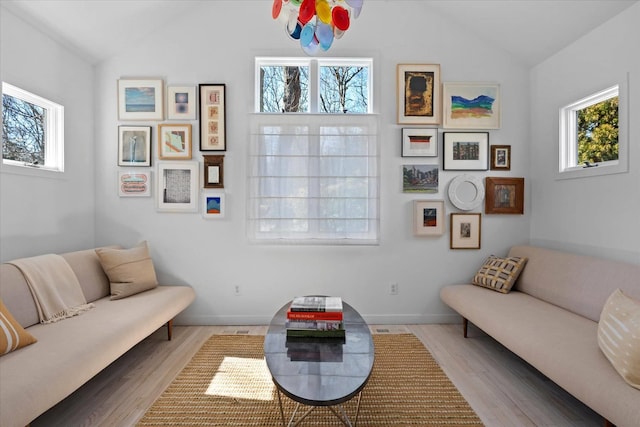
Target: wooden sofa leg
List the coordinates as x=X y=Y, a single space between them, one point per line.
x=608 y=423
x=465 y=325
x=169 y=329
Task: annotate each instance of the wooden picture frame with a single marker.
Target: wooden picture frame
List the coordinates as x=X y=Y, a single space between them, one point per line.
x=134 y=146
x=428 y=217
x=181 y=103
x=213 y=171
x=419 y=142
x=213 y=205
x=418 y=94
x=420 y=178
x=500 y=157
x=504 y=195
x=465 y=231
x=177 y=186
x=140 y=99
x=134 y=184
x=174 y=141
x=465 y=151
x=471 y=105
x=212 y=114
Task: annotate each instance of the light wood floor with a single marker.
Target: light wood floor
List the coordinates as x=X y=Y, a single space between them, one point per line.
x=499 y=386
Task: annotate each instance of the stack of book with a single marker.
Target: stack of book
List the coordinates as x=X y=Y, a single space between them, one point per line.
x=315 y=316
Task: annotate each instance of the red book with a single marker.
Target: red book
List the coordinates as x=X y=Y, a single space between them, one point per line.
x=314 y=315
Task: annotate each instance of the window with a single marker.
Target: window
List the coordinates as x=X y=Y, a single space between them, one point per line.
x=591 y=137
x=32 y=130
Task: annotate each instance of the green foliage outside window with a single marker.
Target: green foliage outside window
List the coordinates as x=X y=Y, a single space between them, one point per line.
x=598 y=132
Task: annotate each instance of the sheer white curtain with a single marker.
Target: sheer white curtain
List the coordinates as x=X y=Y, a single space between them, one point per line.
x=313 y=179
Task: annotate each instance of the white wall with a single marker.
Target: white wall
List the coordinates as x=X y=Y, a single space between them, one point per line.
x=596 y=215
x=216 y=43
x=48 y=214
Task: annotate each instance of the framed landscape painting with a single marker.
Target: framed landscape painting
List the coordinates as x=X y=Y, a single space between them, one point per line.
x=418 y=94
x=213 y=205
x=140 y=99
x=420 y=178
x=471 y=105
x=466 y=151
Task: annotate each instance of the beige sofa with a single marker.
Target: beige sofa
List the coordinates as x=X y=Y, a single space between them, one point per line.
x=70 y=352
x=550 y=319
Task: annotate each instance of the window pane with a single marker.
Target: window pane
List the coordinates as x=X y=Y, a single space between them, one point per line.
x=284 y=89
x=598 y=132
x=344 y=89
x=23 y=130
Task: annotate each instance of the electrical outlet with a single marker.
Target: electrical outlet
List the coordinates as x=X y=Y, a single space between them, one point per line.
x=237 y=290
x=393 y=289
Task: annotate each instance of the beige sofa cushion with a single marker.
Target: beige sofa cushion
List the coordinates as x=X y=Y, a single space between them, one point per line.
x=499 y=274
x=12 y=334
x=130 y=271
x=619 y=336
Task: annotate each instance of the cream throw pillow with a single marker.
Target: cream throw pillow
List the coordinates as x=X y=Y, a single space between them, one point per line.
x=130 y=271
x=619 y=336
x=12 y=335
x=499 y=274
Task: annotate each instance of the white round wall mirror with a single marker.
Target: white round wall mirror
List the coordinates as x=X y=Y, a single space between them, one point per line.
x=466 y=192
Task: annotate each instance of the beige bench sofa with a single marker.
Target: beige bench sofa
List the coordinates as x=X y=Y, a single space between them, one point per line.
x=70 y=352
x=550 y=319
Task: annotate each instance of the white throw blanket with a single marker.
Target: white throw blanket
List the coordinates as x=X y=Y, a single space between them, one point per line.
x=54 y=286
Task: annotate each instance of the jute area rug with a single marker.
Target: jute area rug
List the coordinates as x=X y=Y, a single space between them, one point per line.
x=227 y=384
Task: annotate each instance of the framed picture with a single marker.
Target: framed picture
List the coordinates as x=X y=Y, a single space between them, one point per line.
x=500 y=157
x=419 y=142
x=471 y=105
x=134 y=184
x=213 y=171
x=174 y=141
x=213 y=205
x=134 y=145
x=465 y=231
x=428 y=217
x=504 y=195
x=420 y=178
x=140 y=99
x=181 y=102
x=177 y=186
x=212 y=117
x=466 y=151
x=418 y=94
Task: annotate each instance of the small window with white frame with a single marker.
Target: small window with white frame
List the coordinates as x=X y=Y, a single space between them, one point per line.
x=592 y=141
x=32 y=130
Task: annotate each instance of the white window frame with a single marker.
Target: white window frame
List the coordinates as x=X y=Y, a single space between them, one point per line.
x=54 y=132
x=568 y=139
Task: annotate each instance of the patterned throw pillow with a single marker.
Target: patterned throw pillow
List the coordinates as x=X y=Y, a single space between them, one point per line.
x=130 y=271
x=499 y=274
x=12 y=335
x=619 y=336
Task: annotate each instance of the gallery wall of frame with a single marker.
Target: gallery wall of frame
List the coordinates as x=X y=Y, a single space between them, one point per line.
x=182 y=182
x=455 y=119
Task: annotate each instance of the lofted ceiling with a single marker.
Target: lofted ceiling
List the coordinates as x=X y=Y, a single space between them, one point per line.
x=529 y=30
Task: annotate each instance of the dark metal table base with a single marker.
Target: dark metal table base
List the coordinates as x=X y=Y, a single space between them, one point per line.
x=340 y=413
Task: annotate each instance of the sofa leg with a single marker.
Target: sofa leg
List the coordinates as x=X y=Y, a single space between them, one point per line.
x=608 y=423
x=465 y=325
x=169 y=329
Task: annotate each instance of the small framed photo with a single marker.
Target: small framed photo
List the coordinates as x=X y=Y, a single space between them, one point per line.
x=465 y=231
x=181 y=103
x=134 y=184
x=177 y=186
x=466 y=151
x=213 y=205
x=504 y=195
x=418 y=94
x=212 y=117
x=419 y=142
x=500 y=157
x=213 y=171
x=134 y=145
x=174 y=141
x=471 y=105
x=420 y=178
x=428 y=217
x=140 y=99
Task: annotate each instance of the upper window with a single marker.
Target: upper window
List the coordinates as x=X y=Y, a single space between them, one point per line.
x=32 y=130
x=590 y=136
x=311 y=85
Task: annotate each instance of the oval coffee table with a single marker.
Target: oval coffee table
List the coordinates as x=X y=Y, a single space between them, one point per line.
x=320 y=371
